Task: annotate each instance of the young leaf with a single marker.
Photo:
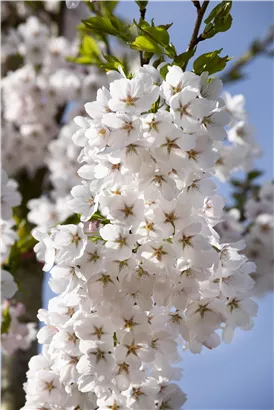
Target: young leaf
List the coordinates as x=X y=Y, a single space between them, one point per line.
x=112 y=63
x=219 y=20
x=145 y=43
x=107 y=25
x=210 y=62
x=158 y=35
x=181 y=59
x=81 y=60
x=89 y=47
x=109 y=6
x=221 y=9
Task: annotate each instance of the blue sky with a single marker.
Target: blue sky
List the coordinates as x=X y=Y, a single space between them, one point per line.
x=239 y=375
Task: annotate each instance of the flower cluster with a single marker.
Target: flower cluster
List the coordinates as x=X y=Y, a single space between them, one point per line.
x=259 y=237
x=150 y=276
x=10 y=198
x=257 y=231
x=18 y=335
x=61 y=160
x=240 y=149
x=36 y=94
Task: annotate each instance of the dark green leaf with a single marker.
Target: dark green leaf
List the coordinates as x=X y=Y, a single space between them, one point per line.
x=210 y=62
x=164 y=71
x=158 y=61
x=236 y=183
x=254 y=174
x=219 y=20
x=72 y=219
x=100 y=218
x=183 y=58
x=221 y=9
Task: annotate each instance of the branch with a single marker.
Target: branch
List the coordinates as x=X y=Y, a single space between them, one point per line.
x=195 y=38
x=196 y=4
x=257 y=47
x=142 y=18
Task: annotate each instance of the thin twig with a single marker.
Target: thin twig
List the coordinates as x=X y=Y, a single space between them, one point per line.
x=142 y=18
x=257 y=47
x=195 y=38
x=196 y=4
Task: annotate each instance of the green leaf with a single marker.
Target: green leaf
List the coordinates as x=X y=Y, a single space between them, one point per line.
x=219 y=19
x=109 y=6
x=107 y=25
x=100 y=218
x=89 y=52
x=81 y=60
x=145 y=43
x=254 y=174
x=27 y=243
x=166 y=26
x=157 y=33
x=101 y=25
x=221 y=9
x=89 y=47
x=237 y=183
x=183 y=58
x=142 y=4
x=113 y=63
x=210 y=62
x=72 y=219
x=6 y=321
x=158 y=61
x=159 y=36
x=164 y=71
x=14 y=258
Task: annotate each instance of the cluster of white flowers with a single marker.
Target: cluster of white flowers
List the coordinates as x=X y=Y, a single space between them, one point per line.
x=61 y=160
x=257 y=231
x=259 y=237
x=35 y=95
x=239 y=149
x=10 y=198
x=153 y=277
x=18 y=335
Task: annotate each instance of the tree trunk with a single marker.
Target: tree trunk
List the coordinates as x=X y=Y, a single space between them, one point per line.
x=15 y=366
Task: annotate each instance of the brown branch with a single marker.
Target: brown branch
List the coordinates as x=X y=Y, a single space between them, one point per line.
x=196 y=4
x=142 y=18
x=195 y=35
x=256 y=48
x=195 y=38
